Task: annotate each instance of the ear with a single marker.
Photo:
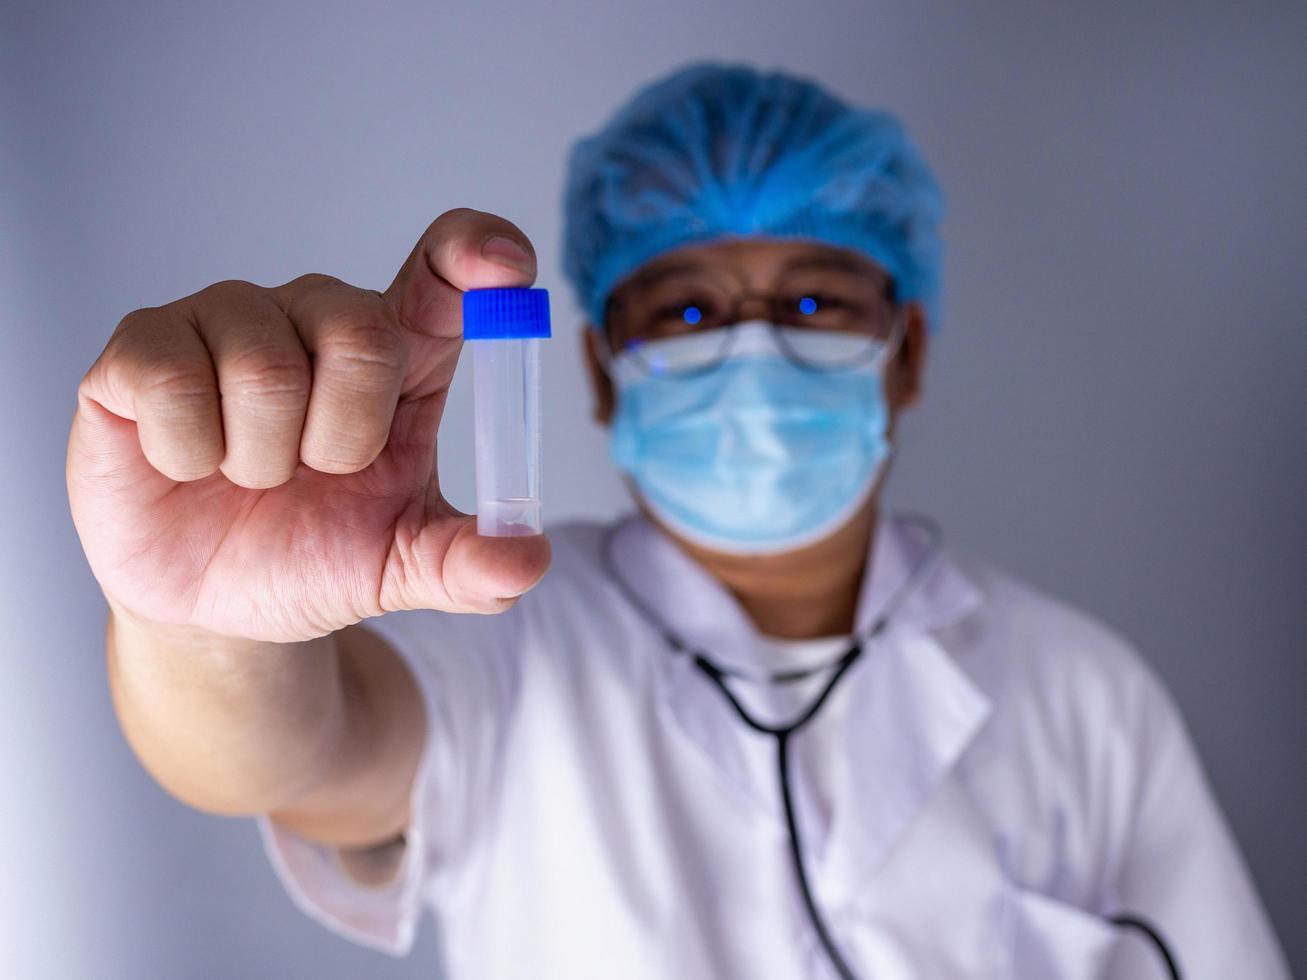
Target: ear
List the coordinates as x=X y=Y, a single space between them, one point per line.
x=904 y=374
x=601 y=386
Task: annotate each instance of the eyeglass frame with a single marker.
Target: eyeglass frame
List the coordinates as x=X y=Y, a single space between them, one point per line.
x=882 y=353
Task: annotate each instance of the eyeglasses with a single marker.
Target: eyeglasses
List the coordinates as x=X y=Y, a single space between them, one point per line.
x=826 y=315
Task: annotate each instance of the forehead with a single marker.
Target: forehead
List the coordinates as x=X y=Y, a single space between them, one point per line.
x=754 y=259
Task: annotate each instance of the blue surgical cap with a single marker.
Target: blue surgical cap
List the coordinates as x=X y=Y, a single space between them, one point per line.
x=716 y=150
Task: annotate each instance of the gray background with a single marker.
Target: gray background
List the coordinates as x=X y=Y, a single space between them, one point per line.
x=1115 y=406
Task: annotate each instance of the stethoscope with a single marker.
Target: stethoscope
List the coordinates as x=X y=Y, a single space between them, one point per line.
x=783 y=734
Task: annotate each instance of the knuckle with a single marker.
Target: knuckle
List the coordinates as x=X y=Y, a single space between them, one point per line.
x=362 y=345
x=135 y=320
x=137 y=336
x=180 y=389
x=454 y=215
x=455 y=225
x=315 y=281
x=93 y=379
x=229 y=290
x=279 y=376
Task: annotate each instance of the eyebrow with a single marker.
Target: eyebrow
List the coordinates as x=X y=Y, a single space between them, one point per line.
x=652 y=276
x=830 y=261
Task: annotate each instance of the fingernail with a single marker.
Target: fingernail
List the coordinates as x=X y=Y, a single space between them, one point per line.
x=506 y=252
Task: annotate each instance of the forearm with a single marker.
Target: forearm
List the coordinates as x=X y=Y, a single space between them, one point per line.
x=228 y=726
x=325 y=735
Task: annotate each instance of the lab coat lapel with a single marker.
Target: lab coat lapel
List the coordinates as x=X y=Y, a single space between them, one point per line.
x=911 y=710
x=680 y=596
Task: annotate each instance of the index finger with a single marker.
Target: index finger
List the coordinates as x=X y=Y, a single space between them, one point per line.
x=462 y=249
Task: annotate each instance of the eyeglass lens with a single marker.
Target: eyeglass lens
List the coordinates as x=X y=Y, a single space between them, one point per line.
x=821 y=298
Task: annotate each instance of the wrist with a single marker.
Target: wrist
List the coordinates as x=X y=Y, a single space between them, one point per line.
x=127 y=623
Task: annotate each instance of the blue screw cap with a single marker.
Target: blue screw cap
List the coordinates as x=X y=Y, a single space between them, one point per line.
x=505 y=314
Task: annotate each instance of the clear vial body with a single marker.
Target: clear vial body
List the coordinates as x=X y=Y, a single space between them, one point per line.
x=506 y=405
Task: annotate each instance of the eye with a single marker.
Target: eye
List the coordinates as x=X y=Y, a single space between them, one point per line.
x=690 y=313
x=811 y=303
x=823 y=301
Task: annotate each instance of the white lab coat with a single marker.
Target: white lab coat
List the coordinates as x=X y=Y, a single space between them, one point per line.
x=994 y=774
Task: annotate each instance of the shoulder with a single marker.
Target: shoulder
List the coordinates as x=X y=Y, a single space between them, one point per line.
x=1057 y=675
x=1023 y=633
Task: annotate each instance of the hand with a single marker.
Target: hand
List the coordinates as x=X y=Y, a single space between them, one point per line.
x=260 y=462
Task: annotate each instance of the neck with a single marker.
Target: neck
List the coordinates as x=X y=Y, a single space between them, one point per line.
x=809 y=592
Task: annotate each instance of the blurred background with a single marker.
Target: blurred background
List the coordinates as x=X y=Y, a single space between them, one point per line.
x=1115 y=405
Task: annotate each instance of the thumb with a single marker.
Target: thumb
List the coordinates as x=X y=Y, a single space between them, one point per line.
x=462 y=249
x=492 y=573
x=442 y=562
x=438 y=561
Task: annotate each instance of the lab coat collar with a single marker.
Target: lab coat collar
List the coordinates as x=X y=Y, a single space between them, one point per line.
x=685 y=599
x=912 y=709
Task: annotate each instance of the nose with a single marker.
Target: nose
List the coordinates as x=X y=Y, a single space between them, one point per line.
x=761 y=305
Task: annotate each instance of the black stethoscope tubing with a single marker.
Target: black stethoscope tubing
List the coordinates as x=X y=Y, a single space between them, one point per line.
x=782 y=733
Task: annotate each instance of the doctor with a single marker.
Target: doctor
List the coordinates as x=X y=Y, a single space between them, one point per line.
x=760 y=729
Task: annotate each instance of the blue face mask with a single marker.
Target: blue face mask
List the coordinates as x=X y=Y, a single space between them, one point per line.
x=757 y=455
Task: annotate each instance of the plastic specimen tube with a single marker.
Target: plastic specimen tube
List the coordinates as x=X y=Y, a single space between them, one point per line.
x=502 y=328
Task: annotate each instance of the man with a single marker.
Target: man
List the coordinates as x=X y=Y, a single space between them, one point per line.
x=760 y=729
